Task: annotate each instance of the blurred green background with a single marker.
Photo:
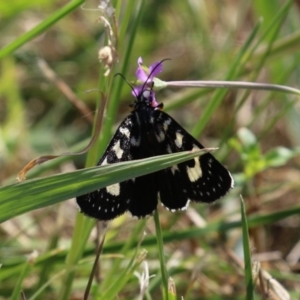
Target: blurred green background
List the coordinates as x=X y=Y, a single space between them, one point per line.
x=257 y=133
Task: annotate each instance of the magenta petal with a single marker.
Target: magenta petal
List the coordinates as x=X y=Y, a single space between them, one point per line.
x=146 y=76
x=140 y=61
x=155 y=68
x=141 y=74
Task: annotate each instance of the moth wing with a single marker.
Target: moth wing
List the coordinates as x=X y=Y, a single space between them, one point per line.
x=109 y=202
x=202 y=179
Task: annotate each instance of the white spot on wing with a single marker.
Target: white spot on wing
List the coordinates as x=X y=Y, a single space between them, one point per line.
x=168 y=121
x=117 y=148
x=125 y=131
x=186 y=205
x=160 y=137
x=166 y=124
x=169 y=149
x=178 y=140
x=195 y=172
x=195 y=148
x=113 y=189
x=180 y=208
x=104 y=162
x=174 y=169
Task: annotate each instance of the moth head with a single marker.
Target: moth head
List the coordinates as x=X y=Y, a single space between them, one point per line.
x=147 y=97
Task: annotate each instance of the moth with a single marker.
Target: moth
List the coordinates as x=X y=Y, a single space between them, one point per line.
x=148 y=132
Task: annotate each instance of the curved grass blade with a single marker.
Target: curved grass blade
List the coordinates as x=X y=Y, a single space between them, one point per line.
x=22 y=197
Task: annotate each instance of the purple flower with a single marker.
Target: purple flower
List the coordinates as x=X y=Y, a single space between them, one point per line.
x=144 y=74
x=146 y=77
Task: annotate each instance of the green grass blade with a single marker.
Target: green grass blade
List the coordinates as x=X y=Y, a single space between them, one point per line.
x=28 y=266
x=254 y=220
x=219 y=94
x=42 y=27
x=247 y=255
x=36 y=193
x=161 y=255
x=129 y=244
x=124 y=276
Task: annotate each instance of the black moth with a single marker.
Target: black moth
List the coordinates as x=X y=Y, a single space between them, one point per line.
x=147 y=132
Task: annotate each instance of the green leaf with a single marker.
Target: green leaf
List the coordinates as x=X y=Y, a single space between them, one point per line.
x=247 y=138
x=280 y=156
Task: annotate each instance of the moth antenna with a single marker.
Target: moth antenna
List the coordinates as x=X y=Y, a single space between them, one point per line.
x=131 y=86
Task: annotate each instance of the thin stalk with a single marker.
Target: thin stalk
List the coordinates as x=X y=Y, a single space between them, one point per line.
x=160 y=246
x=235 y=85
x=247 y=255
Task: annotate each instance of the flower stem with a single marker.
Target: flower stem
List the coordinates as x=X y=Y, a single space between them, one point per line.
x=234 y=85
